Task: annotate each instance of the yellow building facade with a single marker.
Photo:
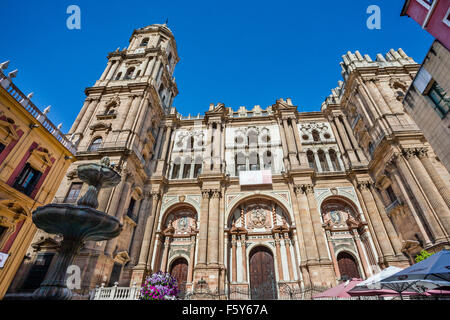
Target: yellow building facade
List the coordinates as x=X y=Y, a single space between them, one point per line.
x=34 y=156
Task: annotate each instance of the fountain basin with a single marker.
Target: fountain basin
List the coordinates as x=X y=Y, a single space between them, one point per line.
x=76 y=222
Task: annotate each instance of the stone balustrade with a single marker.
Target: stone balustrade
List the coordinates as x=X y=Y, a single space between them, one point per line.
x=117 y=293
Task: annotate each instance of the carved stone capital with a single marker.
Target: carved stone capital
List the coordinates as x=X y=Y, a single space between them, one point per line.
x=409 y=153
x=309 y=188
x=206 y=194
x=364 y=185
x=155 y=194
x=422 y=152
x=216 y=193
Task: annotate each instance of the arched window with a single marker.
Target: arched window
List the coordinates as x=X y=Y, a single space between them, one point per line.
x=144 y=42
x=119 y=75
x=323 y=161
x=334 y=160
x=252 y=138
x=254 y=161
x=197 y=166
x=239 y=162
x=176 y=168
x=316 y=136
x=129 y=73
x=95 y=145
x=311 y=160
x=187 y=168
x=191 y=143
x=268 y=160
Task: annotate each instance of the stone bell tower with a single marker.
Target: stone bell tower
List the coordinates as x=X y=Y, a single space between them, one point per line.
x=122 y=119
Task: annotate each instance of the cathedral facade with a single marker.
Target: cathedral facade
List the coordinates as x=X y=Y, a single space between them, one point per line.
x=254 y=198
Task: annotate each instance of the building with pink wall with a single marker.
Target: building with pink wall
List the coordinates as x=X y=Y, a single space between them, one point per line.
x=432 y=15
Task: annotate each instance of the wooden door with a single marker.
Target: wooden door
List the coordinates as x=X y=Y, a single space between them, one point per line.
x=179 y=271
x=262 y=275
x=347 y=265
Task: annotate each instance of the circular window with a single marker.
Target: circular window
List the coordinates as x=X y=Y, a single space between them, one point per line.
x=305 y=137
x=239 y=140
x=327 y=136
x=180 y=144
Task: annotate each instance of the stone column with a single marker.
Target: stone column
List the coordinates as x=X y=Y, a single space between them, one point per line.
x=428 y=214
x=146 y=242
x=316 y=159
x=244 y=258
x=340 y=144
x=435 y=177
x=108 y=67
x=140 y=228
x=384 y=108
x=163 y=157
x=333 y=255
x=391 y=167
x=87 y=116
x=358 y=150
x=306 y=225
x=287 y=245
x=317 y=225
x=278 y=251
x=330 y=164
x=80 y=116
x=208 y=153
x=203 y=232
x=213 y=228
x=191 y=260
x=166 y=253
x=154 y=231
x=150 y=66
x=119 y=203
x=113 y=70
x=131 y=116
x=361 y=253
x=217 y=147
x=376 y=222
x=158 y=244
x=392 y=234
x=429 y=188
x=234 y=259
x=301 y=154
x=345 y=140
x=284 y=146
x=290 y=143
x=157 y=66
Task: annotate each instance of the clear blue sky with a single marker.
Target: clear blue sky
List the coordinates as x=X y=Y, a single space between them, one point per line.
x=241 y=53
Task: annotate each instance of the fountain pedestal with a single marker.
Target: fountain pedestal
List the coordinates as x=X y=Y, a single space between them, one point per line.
x=77 y=224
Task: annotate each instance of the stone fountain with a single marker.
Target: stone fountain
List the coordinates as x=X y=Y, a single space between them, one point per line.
x=77 y=224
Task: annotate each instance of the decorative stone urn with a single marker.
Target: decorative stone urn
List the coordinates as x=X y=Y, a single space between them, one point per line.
x=77 y=224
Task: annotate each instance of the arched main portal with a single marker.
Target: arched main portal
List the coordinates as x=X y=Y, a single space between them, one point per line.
x=262 y=274
x=347 y=232
x=347 y=265
x=179 y=270
x=256 y=223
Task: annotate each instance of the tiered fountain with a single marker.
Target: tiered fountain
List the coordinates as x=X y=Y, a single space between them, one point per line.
x=77 y=224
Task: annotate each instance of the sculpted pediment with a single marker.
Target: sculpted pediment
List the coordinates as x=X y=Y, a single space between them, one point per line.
x=100 y=126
